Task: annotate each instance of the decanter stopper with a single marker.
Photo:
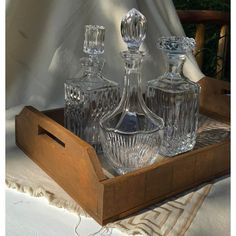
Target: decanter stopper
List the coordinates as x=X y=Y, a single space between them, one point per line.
x=176 y=44
x=94 y=39
x=133 y=29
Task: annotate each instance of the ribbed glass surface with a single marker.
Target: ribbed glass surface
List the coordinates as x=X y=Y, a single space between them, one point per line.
x=130 y=152
x=177 y=103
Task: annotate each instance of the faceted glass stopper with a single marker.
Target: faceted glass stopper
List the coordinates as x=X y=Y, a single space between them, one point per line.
x=94 y=39
x=176 y=44
x=133 y=29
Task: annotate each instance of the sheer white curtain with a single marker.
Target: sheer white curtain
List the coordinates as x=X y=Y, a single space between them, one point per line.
x=45 y=41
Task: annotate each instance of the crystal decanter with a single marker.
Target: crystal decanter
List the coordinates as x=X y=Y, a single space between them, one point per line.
x=175 y=98
x=90 y=95
x=131 y=134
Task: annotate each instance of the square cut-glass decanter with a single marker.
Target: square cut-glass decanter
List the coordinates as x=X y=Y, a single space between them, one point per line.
x=90 y=95
x=131 y=134
x=175 y=98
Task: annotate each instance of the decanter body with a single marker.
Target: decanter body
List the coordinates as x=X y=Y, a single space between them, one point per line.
x=175 y=98
x=90 y=95
x=131 y=134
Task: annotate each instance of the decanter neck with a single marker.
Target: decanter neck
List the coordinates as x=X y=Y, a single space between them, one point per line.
x=175 y=64
x=92 y=64
x=132 y=94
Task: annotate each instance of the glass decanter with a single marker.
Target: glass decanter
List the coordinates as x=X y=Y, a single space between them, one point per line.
x=175 y=98
x=131 y=134
x=89 y=95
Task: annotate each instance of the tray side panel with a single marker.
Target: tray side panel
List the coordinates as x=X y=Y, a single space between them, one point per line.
x=66 y=159
x=127 y=194
x=215 y=98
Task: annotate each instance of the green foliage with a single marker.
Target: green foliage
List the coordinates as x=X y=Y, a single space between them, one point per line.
x=211 y=35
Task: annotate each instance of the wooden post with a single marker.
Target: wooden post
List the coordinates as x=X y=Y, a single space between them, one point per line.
x=199 y=38
x=221 y=52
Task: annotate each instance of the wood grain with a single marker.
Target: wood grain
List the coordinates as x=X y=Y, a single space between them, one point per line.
x=215 y=98
x=203 y=16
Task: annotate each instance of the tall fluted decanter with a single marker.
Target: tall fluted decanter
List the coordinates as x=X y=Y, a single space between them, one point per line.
x=175 y=98
x=90 y=95
x=131 y=134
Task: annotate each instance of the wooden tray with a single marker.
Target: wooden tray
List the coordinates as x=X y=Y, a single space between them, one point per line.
x=74 y=165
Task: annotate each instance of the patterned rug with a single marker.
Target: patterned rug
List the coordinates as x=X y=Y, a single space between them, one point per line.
x=171 y=218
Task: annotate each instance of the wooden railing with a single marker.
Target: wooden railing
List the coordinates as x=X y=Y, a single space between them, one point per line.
x=201 y=18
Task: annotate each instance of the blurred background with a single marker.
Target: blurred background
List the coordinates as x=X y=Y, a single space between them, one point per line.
x=212 y=35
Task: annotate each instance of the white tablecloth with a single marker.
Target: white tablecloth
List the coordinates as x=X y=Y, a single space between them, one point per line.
x=31 y=216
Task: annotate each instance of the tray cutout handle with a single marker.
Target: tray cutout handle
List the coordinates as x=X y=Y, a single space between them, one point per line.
x=42 y=131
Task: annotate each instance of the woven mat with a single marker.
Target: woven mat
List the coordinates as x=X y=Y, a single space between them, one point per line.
x=168 y=218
